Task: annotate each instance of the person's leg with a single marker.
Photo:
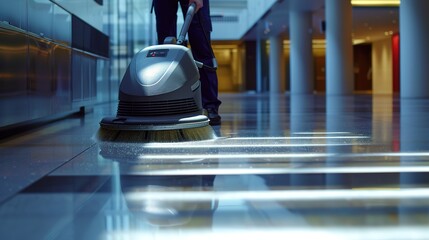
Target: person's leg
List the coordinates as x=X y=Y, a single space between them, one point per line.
x=166 y=19
x=199 y=39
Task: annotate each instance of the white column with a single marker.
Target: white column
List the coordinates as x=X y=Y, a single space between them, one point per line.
x=339 y=47
x=339 y=119
x=414 y=34
x=413 y=139
x=301 y=53
x=276 y=52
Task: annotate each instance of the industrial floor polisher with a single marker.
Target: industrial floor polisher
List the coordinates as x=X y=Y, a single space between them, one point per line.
x=160 y=96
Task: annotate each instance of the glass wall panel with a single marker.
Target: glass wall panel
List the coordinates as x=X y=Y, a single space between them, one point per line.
x=62 y=26
x=40 y=17
x=112 y=26
x=87 y=10
x=130 y=26
x=14 y=12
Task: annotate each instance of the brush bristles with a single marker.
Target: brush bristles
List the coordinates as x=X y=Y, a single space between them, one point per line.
x=179 y=135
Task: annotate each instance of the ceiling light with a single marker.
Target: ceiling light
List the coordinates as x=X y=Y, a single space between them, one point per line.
x=375 y=2
x=358 y=41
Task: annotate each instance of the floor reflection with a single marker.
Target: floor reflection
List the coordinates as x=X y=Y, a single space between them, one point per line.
x=164 y=211
x=282 y=166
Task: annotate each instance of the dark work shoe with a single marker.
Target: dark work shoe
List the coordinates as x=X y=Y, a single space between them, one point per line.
x=214 y=117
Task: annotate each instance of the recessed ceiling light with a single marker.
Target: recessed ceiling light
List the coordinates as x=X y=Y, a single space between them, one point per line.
x=358 y=41
x=375 y=2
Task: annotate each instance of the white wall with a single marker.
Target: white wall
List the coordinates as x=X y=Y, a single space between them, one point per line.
x=246 y=19
x=382 y=73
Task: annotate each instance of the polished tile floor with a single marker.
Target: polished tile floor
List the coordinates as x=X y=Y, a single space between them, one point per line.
x=281 y=167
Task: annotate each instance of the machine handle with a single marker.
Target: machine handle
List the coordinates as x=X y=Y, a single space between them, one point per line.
x=188 y=18
x=210 y=68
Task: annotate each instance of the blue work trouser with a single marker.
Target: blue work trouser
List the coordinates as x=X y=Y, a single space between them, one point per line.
x=199 y=39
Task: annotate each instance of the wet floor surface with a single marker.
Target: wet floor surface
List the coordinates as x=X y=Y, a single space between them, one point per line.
x=279 y=167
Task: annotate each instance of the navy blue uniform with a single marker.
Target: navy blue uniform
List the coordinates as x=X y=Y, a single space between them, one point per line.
x=199 y=39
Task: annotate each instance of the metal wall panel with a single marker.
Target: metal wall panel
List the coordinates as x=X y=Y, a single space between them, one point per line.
x=13 y=52
x=86 y=81
x=102 y=77
x=89 y=65
x=40 y=76
x=93 y=78
x=61 y=70
x=13 y=76
x=84 y=77
x=77 y=76
x=40 y=73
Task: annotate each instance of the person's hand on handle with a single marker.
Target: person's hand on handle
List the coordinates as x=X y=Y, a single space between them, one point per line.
x=198 y=3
